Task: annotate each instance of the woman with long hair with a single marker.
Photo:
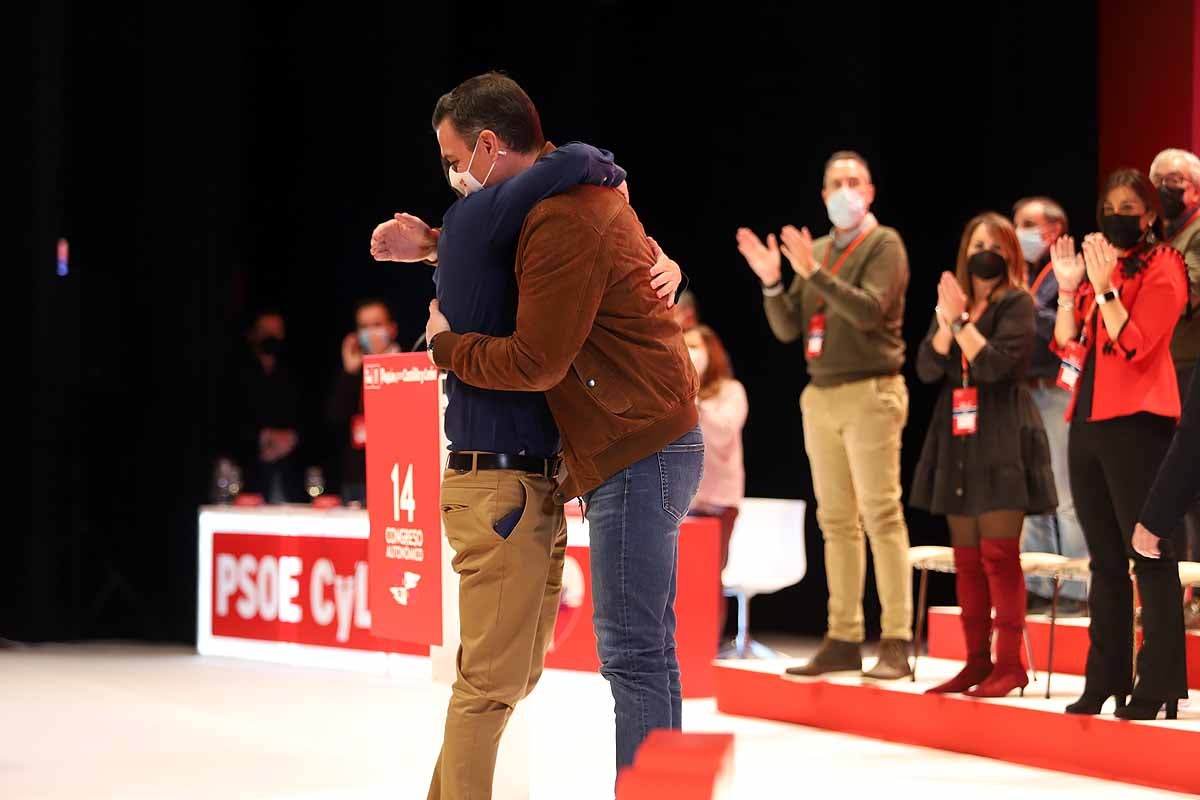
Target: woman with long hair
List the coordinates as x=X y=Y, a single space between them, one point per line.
x=723 y=410
x=986 y=460
x=1118 y=305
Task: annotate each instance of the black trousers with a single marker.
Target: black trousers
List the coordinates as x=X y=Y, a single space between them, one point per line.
x=1112 y=465
x=1189 y=542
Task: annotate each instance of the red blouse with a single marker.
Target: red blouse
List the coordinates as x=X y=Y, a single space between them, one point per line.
x=1134 y=372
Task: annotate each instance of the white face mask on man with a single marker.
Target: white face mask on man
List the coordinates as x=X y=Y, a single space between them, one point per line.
x=464 y=182
x=1033 y=246
x=846 y=208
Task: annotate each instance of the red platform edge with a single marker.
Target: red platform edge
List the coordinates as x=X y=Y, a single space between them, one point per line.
x=1148 y=755
x=1070 y=643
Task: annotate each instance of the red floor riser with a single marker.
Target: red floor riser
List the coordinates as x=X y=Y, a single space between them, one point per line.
x=945 y=640
x=1156 y=756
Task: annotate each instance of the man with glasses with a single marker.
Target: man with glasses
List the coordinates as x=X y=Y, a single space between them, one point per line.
x=1176 y=175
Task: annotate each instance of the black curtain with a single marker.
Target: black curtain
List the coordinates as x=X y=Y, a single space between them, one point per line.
x=204 y=165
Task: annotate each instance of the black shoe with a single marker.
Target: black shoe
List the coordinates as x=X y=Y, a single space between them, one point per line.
x=833 y=655
x=1092 y=704
x=1140 y=708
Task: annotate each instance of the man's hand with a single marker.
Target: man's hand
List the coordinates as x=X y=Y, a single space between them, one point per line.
x=798 y=247
x=352 y=355
x=436 y=324
x=665 y=275
x=764 y=260
x=1145 y=542
x=404 y=238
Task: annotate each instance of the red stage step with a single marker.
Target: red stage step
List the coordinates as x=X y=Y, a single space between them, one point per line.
x=1070 y=642
x=1028 y=730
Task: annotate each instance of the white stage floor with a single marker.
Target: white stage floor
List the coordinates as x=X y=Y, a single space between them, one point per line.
x=130 y=721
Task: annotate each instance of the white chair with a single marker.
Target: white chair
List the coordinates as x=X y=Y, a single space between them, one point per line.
x=766 y=554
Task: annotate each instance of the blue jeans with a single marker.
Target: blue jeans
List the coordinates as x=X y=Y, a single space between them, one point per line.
x=1060 y=532
x=634 y=530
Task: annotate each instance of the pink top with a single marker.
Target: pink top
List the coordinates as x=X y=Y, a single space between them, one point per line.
x=722 y=418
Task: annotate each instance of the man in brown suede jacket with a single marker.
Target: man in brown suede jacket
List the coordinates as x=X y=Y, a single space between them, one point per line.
x=593 y=335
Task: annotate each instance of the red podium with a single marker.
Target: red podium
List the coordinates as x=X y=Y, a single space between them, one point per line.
x=400 y=400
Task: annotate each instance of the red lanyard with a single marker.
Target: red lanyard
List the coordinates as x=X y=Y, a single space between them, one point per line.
x=1037 y=283
x=1087 y=322
x=837 y=266
x=966 y=366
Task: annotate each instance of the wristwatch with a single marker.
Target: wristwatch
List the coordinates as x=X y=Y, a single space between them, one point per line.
x=1104 y=297
x=957 y=325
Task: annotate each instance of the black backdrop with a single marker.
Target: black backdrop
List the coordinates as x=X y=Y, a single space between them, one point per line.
x=205 y=165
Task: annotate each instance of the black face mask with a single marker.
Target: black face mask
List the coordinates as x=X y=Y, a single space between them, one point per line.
x=1122 y=230
x=986 y=265
x=1172 y=200
x=270 y=346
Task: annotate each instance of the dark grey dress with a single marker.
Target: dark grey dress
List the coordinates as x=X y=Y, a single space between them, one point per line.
x=1005 y=464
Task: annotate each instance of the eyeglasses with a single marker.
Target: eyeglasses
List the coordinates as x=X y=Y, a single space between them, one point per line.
x=1173 y=180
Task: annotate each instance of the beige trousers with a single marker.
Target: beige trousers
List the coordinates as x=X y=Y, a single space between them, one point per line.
x=852 y=435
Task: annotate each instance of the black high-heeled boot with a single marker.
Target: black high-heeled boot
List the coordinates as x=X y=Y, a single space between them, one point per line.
x=1140 y=708
x=1092 y=704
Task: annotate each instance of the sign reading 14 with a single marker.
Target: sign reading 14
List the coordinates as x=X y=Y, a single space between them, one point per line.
x=403 y=498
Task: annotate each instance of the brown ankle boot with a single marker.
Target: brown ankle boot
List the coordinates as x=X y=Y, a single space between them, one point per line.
x=893 y=661
x=833 y=655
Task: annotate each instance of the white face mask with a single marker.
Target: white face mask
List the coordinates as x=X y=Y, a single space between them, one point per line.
x=846 y=208
x=1033 y=246
x=464 y=182
x=374 y=339
x=699 y=359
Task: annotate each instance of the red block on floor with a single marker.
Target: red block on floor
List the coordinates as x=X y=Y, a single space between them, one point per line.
x=673 y=751
x=689 y=766
x=635 y=784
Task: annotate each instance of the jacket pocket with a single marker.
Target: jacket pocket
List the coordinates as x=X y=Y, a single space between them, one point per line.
x=602 y=382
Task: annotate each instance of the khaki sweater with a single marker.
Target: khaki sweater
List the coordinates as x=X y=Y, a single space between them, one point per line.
x=863 y=306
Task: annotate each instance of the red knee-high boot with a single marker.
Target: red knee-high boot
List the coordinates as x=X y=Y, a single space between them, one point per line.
x=971 y=585
x=1006 y=581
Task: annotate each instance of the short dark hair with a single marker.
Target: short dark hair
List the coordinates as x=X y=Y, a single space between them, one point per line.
x=1144 y=189
x=494 y=102
x=1051 y=208
x=846 y=155
x=372 y=301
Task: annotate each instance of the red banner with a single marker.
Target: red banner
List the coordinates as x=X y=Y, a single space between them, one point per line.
x=400 y=399
x=303 y=589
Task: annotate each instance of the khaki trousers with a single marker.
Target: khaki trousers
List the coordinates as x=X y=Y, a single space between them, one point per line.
x=508 y=602
x=852 y=435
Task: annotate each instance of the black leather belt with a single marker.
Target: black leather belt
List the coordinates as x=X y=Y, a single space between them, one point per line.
x=465 y=462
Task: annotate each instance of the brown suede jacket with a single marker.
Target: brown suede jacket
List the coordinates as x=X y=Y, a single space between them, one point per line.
x=592 y=334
